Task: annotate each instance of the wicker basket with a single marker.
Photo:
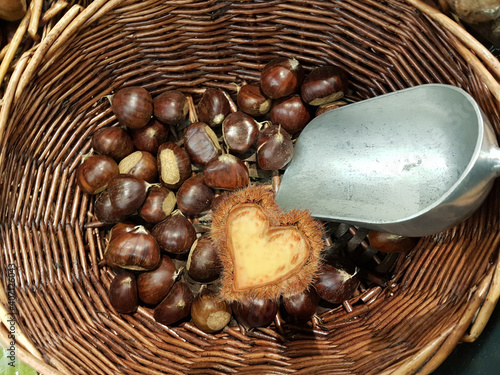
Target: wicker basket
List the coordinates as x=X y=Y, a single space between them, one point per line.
x=441 y=293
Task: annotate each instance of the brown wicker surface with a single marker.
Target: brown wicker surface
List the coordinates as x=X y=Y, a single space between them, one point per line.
x=54 y=102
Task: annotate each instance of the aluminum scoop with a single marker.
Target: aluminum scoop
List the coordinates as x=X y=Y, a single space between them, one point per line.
x=413 y=162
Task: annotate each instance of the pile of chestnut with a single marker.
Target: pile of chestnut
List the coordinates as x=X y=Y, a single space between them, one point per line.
x=162 y=169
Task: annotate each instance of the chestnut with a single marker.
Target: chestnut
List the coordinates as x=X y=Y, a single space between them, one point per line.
x=122 y=293
x=275 y=148
x=136 y=250
x=213 y=107
x=325 y=84
x=201 y=143
x=132 y=106
x=153 y=286
x=95 y=172
x=175 y=234
x=175 y=306
x=171 y=107
x=203 y=264
x=159 y=203
x=226 y=172
x=114 y=142
x=291 y=113
x=240 y=131
x=127 y=193
x=209 y=313
x=329 y=106
x=104 y=211
x=302 y=306
x=194 y=196
x=390 y=243
x=252 y=101
x=174 y=165
x=140 y=164
x=120 y=229
x=253 y=313
x=335 y=284
x=150 y=137
x=281 y=77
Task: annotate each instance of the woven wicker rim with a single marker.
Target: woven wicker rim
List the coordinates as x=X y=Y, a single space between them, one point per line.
x=486 y=66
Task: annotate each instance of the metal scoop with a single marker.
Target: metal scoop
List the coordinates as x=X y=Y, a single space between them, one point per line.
x=413 y=162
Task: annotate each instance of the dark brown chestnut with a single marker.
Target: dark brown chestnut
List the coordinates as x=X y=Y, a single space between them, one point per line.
x=281 y=77
x=140 y=164
x=114 y=142
x=213 y=107
x=95 y=172
x=171 y=107
x=291 y=113
x=390 y=243
x=136 y=250
x=203 y=264
x=122 y=293
x=175 y=234
x=127 y=193
x=302 y=306
x=252 y=101
x=104 y=211
x=159 y=203
x=334 y=284
x=176 y=305
x=253 y=313
x=275 y=148
x=226 y=172
x=150 y=137
x=201 y=143
x=120 y=229
x=174 y=165
x=153 y=286
x=240 y=131
x=329 y=106
x=209 y=313
x=325 y=84
x=132 y=106
x=194 y=196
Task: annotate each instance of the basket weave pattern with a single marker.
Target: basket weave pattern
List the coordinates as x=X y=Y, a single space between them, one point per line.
x=407 y=326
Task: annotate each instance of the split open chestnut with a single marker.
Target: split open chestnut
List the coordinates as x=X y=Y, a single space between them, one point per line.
x=95 y=172
x=132 y=106
x=281 y=77
x=140 y=164
x=174 y=165
x=114 y=142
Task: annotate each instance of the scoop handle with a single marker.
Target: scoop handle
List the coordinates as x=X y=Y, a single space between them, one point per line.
x=495 y=157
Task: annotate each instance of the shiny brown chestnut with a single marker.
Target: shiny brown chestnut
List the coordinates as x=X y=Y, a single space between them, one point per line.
x=136 y=250
x=201 y=143
x=194 y=196
x=325 y=84
x=171 y=107
x=159 y=203
x=122 y=293
x=226 y=172
x=114 y=142
x=213 y=107
x=153 y=286
x=291 y=113
x=335 y=284
x=95 y=172
x=203 y=264
x=252 y=101
x=120 y=229
x=175 y=306
x=302 y=306
x=253 y=313
x=390 y=243
x=132 y=106
x=150 y=137
x=175 y=234
x=140 y=164
x=240 y=131
x=127 y=193
x=174 y=165
x=104 y=211
x=275 y=148
x=281 y=77
x=209 y=313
